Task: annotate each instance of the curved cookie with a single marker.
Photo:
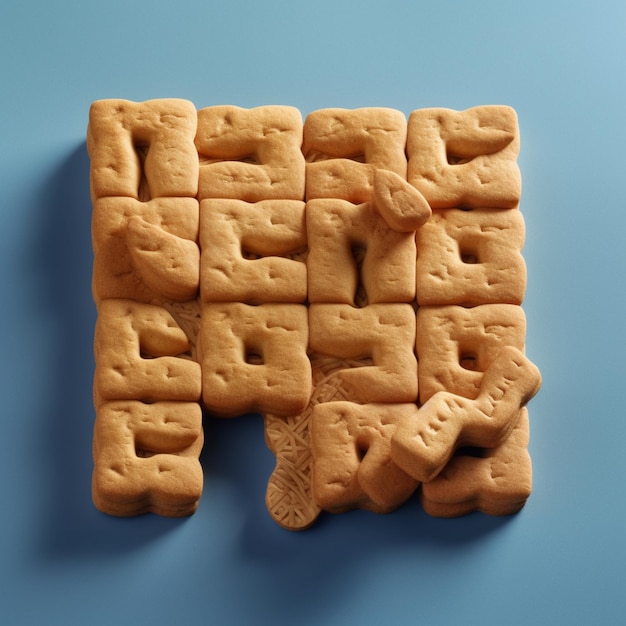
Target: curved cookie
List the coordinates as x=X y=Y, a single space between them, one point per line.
x=402 y=206
x=424 y=445
x=497 y=483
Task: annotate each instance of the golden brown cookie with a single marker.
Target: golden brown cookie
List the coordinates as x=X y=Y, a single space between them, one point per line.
x=143 y=150
x=496 y=481
x=344 y=147
x=455 y=345
x=382 y=334
x=471 y=257
x=352 y=246
x=465 y=158
x=250 y=154
x=254 y=358
x=402 y=206
x=447 y=421
x=146 y=458
x=145 y=251
x=352 y=464
x=249 y=251
x=138 y=350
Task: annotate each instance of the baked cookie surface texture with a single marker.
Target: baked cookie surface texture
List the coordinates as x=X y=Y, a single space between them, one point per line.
x=355 y=278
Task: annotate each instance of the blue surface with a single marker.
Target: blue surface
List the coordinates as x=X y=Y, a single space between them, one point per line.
x=562 y=65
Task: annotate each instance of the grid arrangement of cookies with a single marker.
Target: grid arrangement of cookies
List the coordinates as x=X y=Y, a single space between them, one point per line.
x=354 y=278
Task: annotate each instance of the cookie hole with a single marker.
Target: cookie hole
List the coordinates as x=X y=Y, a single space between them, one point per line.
x=359 y=157
x=456 y=159
x=358 y=253
x=253 y=357
x=469 y=361
x=469 y=256
x=143 y=453
x=250 y=255
x=361 y=447
x=473 y=451
x=251 y=159
x=317 y=156
x=141 y=148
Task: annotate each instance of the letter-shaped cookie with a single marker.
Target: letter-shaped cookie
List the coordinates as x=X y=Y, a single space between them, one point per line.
x=337 y=232
x=143 y=149
x=352 y=465
x=497 y=482
x=250 y=154
x=145 y=251
x=465 y=158
x=471 y=257
x=455 y=345
x=422 y=446
x=254 y=359
x=146 y=458
x=381 y=332
x=246 y=249
x=136 y=349
x=344 y=148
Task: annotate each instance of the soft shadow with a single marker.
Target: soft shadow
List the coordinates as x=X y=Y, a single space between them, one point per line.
x=64 y=261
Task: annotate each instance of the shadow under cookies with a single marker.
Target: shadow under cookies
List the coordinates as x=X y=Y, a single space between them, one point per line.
x=63 y=260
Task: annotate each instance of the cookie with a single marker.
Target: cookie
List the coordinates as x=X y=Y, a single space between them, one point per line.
x=447 y=421
x=250 y=251
x=495 y=481
x=250 y=154
x=381 y=334
x=402 y=206
x=143 y=150
x=138 y=350
x=146 y=458
x=344 y=147
x=254 y=358
x=351 y=247
x=455 y=345
x=352 y=464
x=465 y=158
x=471 y=258
x=145 y=251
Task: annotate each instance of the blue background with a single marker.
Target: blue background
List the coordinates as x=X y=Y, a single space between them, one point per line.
x=562 y=66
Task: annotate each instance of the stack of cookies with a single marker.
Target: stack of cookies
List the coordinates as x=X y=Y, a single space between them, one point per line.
x=353 y=278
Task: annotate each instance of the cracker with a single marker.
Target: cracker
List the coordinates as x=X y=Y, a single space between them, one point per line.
x=249 y=251
x=343 y=148
x=471 y=257
x=145 y=251
x=338 y=232
x=254 y=358
x=143 y=150
x=146 y=458
x=465 y=158
x=250 y=154
x=289 y=496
